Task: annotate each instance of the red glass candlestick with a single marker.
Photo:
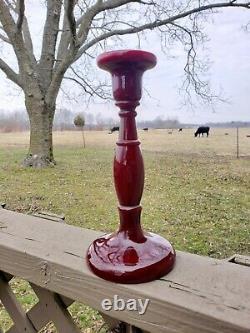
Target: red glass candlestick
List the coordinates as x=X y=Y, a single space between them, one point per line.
x=129 y=255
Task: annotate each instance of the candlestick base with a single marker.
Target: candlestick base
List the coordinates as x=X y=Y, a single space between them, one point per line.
x=117 y=258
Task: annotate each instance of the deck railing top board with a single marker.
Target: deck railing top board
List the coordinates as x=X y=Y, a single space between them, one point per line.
x=200 y=295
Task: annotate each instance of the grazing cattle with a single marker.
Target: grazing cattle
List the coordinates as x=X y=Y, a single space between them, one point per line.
x=226 y=134
x=145 y=129
x=113 y=129
x=180 y=130
x=202 y=130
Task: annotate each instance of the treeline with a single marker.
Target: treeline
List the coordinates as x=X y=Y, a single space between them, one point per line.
x=230 y=124
x=160 y=122
x=13 y=121
x=64 y=121
x=18 y=121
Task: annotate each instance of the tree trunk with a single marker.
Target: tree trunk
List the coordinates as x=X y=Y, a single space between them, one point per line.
x=41 y=123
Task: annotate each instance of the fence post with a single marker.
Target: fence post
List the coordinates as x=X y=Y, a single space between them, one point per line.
x=237 y=142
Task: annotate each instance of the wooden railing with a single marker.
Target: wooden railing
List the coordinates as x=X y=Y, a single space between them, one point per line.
x=200 y=295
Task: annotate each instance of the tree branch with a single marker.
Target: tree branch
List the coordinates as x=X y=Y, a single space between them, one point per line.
x=50 y=34
x=26 y=69
x=28 y=42
x=7 y=20
x=201 y=88
x=14 y=36
x=11 y=75
x=65 y=35
x=57 y=78
x=21 y=9
x=85 y=84
x=84 y=22
x=71 y=20
x=5 y=39
x=158 y=23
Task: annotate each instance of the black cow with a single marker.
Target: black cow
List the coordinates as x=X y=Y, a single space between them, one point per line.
x=113 y=129
x=145 y=129
x=202 y=130
x=180 y=130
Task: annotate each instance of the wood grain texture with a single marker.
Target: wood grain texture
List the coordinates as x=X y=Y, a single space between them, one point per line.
x=56 y=311
x=200 y=294
x=240 y=260
x=50 y=216
x=14 y=309
x=50 y=308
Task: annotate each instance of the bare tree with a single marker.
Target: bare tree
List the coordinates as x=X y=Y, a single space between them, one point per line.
x=79 y=29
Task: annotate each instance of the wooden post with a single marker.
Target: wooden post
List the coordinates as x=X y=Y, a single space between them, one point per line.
x=83 y=137
x=237 y=142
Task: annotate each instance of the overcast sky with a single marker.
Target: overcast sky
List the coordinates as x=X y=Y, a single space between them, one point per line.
x=228 y=50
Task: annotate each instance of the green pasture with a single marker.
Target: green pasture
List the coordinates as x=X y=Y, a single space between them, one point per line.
x=200 y=202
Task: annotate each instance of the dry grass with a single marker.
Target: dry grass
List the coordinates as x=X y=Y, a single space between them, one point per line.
x=154 y=140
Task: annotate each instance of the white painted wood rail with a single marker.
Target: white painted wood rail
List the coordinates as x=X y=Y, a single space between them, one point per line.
x=201 y=295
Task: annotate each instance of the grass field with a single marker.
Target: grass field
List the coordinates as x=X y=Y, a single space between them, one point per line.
x=197 y=194
x=154 y=140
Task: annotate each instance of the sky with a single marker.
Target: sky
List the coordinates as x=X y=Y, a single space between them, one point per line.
x=228 y=50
